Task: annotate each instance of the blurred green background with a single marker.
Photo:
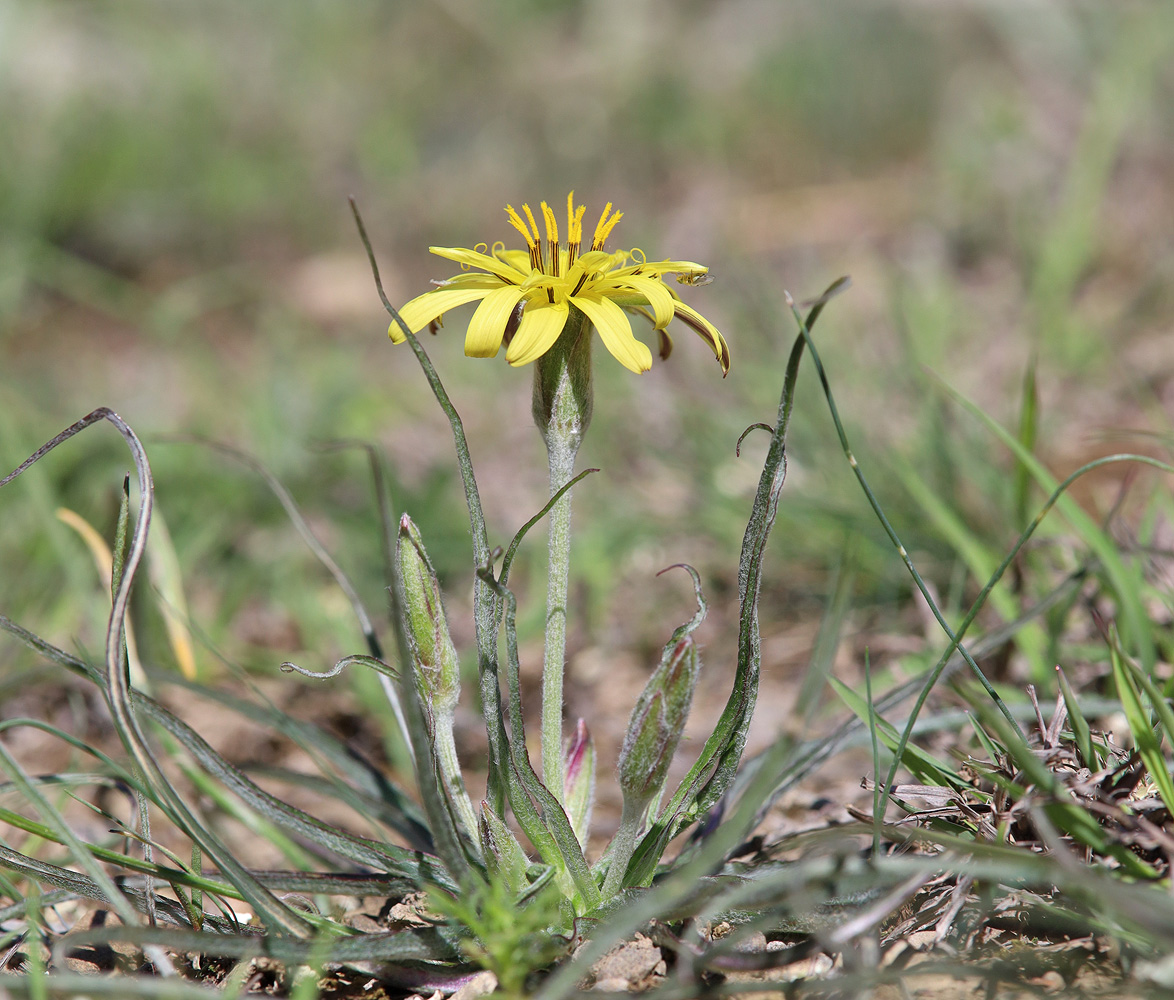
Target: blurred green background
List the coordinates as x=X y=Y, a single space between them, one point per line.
x=997 y=177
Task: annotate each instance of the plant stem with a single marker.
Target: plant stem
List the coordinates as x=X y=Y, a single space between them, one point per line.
x=562 y=411
x=562 y=464
x=622 y=846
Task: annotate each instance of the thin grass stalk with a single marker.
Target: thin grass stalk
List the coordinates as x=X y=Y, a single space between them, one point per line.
x=387 y=550
x=393 y=805
x=413 y=865
x=486 y=611
x=62 y=834
x=294 y=513
x=1135 y=621
x=881 y=516
x=873 y=728
x=933 y=676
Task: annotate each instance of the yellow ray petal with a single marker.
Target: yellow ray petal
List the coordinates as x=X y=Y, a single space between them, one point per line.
x=482 y=262
x=487 y=327
x=659 y=267
x=519 y=260
x=423 y=309
x=652 y=291
x=541 y=324
x=708 y=332
x=470 y=279
x=167 y=579
x=616 y=332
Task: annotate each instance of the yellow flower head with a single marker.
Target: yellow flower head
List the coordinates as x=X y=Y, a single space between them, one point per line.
x=526 y=295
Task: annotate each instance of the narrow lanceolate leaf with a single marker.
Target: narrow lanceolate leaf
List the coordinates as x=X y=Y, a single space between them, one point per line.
x=85 y=887
x=426 y=944
x=435 y=668
x=382 y=800
x=715 y=768
x=416 y=866
x=538 y=811
x=504 y=856
x=579 y=779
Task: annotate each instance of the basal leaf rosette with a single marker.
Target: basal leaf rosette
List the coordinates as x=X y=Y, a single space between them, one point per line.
x=526 y=296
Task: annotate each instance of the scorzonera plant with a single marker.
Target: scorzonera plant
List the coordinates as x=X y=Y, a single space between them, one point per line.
x=542 y=303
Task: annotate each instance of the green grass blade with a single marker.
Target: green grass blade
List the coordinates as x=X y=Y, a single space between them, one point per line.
x=1145 y=738
x=919 y=763
x=63 y=835
x=827 y=639
x=1126 y=583
x=383 y=799
x=364 y=851
x=1057 y=495
x=1080 y=727
x=1028 y=428
x=1061 y=810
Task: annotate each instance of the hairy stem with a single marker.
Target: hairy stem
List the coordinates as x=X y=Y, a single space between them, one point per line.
x=562 y=411
x=622 y=847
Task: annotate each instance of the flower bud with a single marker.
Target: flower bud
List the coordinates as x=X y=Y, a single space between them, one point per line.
x=657 y=722
x=437 y=669
x=434 y=671
x=579 y=779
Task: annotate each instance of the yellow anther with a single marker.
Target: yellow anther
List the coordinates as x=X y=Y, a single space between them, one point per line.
x=551 y=237
x=533 y=224
x=571 y=237
x=536 y=244
x=551 y=223
x=604 y=227
x=519 y=225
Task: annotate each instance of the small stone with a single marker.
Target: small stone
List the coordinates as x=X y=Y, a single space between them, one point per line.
x=1052 y=982
x=411 y=911
x=480 y=985
x=632 y=963
x=752 y=943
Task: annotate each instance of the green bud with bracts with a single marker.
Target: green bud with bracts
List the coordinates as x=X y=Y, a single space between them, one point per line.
x=657 y=722
x=435 y=670
x=654 y=731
